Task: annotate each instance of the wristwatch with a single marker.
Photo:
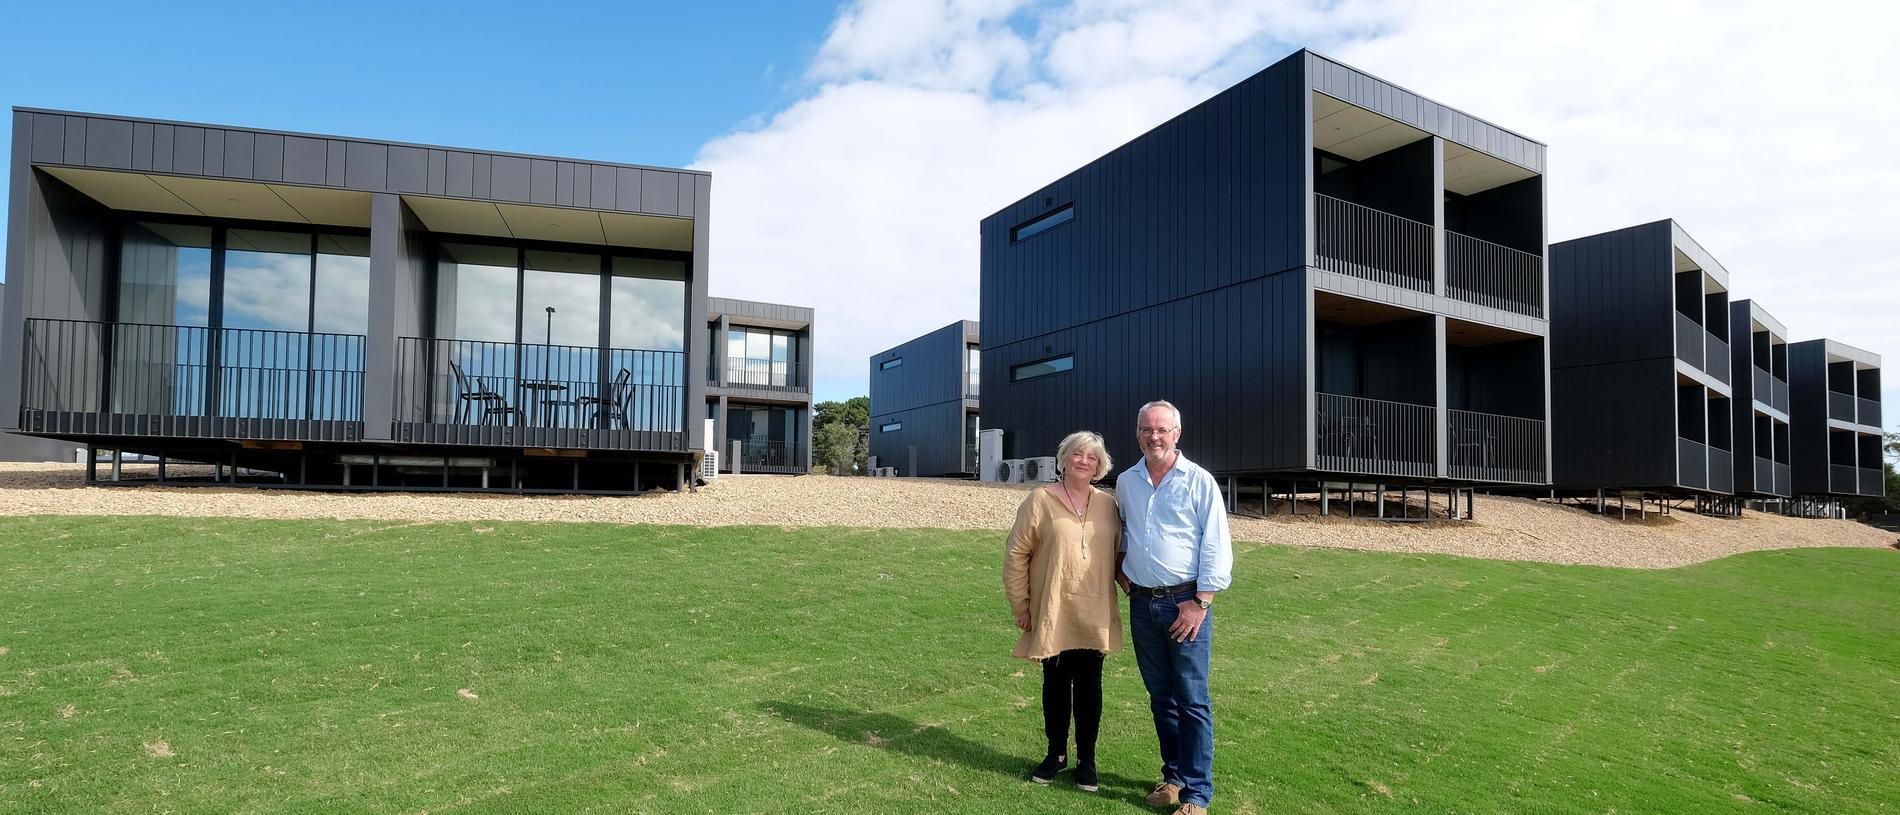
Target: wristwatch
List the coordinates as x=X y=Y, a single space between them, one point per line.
x=1204 y=604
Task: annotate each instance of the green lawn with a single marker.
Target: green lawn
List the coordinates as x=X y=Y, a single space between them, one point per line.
x=242 y=666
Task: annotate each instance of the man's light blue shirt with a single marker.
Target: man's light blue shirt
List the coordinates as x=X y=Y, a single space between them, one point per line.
x=1174 y=532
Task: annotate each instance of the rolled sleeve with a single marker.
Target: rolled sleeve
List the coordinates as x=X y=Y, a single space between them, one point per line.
x=1216 y=560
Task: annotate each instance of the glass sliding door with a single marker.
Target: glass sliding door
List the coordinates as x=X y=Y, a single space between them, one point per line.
x=470 y=371
x=158 y=350
x=560 y=331
x=264 y=347
x=340 y=314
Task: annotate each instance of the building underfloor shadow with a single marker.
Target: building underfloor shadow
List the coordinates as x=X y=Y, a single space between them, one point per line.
x=897 y=734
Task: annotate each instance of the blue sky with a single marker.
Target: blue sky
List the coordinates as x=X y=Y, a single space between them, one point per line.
x=640 y=82
x=854 y=147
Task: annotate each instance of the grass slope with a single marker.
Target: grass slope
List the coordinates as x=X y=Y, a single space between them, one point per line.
x=190 y=665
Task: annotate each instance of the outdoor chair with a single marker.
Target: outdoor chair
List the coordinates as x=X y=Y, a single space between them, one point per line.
x=472 y=392
x=616 y=406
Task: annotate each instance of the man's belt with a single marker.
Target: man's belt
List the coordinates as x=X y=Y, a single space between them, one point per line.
x=1166 y=591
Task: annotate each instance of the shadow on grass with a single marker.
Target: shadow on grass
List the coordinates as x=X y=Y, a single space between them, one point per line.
x=897 y=734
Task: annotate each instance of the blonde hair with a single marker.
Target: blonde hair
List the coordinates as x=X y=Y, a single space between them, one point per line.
x=1087 y=441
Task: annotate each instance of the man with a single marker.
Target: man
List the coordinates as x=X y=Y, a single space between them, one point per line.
x=1175 y=556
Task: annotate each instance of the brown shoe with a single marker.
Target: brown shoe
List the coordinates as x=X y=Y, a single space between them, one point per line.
x=1165 y=795
x=1191 y=809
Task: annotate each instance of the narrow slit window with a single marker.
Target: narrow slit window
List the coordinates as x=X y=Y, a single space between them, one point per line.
x=1042 y=368
x=890 y=363
x=891 y=427
x=1042 y=223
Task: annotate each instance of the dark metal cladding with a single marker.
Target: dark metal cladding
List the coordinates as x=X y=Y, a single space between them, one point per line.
x=921 y=388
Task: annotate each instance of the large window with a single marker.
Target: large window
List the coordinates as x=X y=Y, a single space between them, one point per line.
x=768 y=436
x=560 y=299
x=342 y=305
x=758 y=356
x=475 y=293
x=165 y=274
x=267 y=280
x=973 y=385
x=649 y=304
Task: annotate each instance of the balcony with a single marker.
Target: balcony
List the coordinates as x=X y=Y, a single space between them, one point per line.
x=1488 y=274
x=1769 y=390
x=1377 y=246
x=1873 y=483
x=1498 y=449
x=1716 y=358
x=163 y=381
x=761 y=456
x=1843 y=479
x=1375 y=437
x=1784 y=483
x=1721 y=470
x=1869 y=412
x=765 y=374
x=1692 y=464
x=1841 y=406
x=1764 y=475
x=1689 y=340
x=973 y=387
x=470 y=392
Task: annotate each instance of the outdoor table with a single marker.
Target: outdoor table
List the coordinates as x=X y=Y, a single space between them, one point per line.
x=544 y=405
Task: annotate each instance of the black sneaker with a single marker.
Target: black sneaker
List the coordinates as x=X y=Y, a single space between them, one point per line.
x=1085 y=777
x=1046 y=771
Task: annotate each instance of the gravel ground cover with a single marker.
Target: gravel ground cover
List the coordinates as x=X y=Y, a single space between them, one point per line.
x=1505 y=528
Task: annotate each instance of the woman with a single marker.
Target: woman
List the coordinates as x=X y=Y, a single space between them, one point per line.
x=1060 y=578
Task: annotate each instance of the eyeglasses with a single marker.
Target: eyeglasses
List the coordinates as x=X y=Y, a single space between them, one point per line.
x=1155 y=431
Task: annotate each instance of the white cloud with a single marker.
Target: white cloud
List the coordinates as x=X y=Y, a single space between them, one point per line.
x=1765 y=128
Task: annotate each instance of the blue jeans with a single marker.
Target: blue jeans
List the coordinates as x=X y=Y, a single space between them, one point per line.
x=1176 y=676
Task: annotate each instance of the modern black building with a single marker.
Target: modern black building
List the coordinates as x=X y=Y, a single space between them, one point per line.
x=351 y=312
x=1758 y=361
x=925 y=403
x=1640 y=364
x=1835 y=407
x=758 y=388
x=1334 y=278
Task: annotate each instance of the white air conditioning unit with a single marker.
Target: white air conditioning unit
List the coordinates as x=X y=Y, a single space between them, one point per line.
x=709 y=466
x=1011 y=471
x=989 y=453
x=1041 y=469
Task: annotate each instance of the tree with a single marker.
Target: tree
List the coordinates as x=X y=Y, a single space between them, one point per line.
x=841 y=435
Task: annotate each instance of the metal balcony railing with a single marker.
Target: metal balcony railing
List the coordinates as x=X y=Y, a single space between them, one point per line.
x=973 y=387
x=1689 y=340
x=1869 y=412
x=141 y=379
x=767 y=374
x=1761 y=384
x=1716 y=358
x=1765 y=475
x=1721 y=470
x=1780 y=387
x=510 y=394
x=773 y=455
x=1873 y=483
x=1377 y=246
x=1841 y=406
x=1692 y=463
x=1843 y=479
x=1493 y=448
x=1488 y=274
x=1784 y=479
x=1375 y=437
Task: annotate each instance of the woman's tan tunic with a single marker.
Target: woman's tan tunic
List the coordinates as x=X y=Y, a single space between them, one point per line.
x=1061 y=572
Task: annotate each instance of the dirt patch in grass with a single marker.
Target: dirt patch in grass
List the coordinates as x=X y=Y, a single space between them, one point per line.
x=1504 y=528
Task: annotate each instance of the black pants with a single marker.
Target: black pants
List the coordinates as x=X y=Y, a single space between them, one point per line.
x=1072 y=681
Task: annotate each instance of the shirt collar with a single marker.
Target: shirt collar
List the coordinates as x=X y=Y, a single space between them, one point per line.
x=1181 y=464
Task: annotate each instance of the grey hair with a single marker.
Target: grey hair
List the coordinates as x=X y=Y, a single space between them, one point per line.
x=1158 y=403
x=1090 y=441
